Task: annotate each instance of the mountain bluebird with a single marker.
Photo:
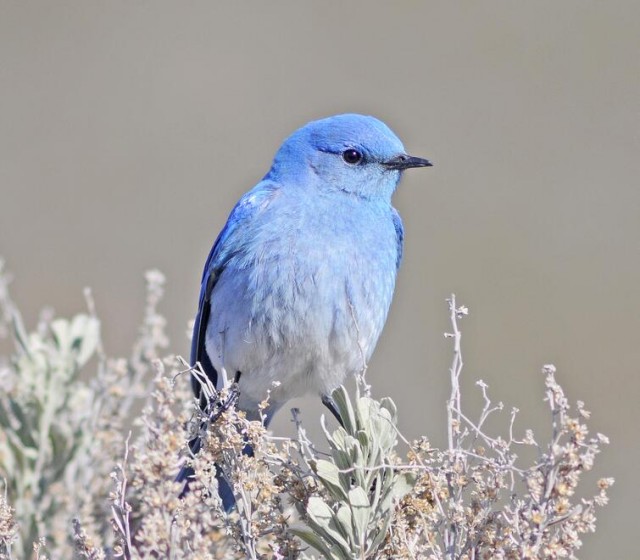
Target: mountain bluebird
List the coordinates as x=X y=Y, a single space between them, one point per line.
x=297 y=286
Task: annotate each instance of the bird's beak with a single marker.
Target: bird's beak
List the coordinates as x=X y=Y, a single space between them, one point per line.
x=404 y=161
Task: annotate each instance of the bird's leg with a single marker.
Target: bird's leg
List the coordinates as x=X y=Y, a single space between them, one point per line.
x=213 y=409
x=328 y=401
x=234 y=394
x=217 y=407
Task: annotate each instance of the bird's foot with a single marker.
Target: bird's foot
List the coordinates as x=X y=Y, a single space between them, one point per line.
x=328 y=401
x=218 y=406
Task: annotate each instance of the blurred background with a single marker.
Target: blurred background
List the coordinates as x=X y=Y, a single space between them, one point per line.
x=129 y=129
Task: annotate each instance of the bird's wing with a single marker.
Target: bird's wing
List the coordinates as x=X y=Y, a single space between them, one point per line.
x=397 y=223
x=228 y=244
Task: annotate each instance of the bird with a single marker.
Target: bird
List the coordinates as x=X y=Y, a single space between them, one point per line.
x=298 y=284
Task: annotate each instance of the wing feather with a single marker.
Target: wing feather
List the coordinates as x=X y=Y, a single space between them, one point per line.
x=397 y=222
x=228 y=243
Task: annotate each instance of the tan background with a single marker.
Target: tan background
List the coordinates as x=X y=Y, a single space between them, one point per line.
x=129 y=129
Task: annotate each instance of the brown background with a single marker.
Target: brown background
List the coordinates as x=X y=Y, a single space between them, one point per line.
x=129 y=129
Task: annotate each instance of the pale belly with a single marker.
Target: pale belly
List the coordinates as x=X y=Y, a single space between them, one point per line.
x=304 y=321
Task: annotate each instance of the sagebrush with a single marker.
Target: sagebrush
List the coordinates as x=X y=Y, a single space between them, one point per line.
x=87 y=476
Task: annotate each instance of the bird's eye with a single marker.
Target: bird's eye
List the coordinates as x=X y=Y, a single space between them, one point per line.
x=351 y=156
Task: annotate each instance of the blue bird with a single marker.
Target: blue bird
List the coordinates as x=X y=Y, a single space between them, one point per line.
x=297 y=287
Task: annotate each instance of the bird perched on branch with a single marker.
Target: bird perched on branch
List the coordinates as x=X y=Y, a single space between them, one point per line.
x=297 y=287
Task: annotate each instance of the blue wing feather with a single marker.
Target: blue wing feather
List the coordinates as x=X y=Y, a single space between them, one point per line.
x=225 y=246
x=397 y=223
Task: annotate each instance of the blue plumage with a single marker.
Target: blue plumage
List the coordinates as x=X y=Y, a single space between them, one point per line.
x=298 y=284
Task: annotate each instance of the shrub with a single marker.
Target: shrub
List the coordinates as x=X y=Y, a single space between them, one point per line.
x=81 y=481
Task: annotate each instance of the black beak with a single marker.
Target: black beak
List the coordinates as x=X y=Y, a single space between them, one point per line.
x=404 y=161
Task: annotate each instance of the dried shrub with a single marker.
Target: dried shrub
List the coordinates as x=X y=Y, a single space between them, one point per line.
x=81 y=481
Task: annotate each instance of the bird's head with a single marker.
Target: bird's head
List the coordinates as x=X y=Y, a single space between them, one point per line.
x=355 y=154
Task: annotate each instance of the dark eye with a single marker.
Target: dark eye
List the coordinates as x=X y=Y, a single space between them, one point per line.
x=351 y=156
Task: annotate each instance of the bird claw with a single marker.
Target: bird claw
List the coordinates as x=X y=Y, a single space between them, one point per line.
x=219 y=406
x=333 y=408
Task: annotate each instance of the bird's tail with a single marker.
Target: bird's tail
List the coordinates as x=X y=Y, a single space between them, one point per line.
x=187 y=474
